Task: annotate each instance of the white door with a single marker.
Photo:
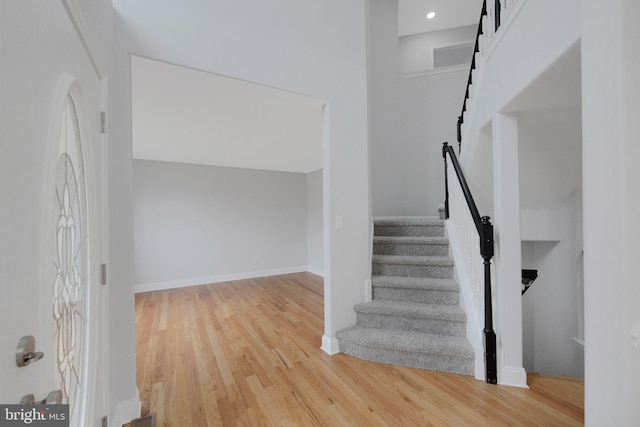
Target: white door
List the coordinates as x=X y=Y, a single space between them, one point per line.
x=52 y=175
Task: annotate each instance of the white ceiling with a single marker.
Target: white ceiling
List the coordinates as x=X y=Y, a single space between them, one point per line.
x=189 y=116
x=449 y=14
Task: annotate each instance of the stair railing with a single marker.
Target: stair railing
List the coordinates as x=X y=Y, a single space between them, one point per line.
x=485 y=233
x=501 y=11
x=476 y=49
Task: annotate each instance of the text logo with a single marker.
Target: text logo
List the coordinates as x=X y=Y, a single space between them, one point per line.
x=34 y=415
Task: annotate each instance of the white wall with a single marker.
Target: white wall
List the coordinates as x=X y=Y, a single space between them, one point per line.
x=410 y=119
x=196 y=224
x=610 y=128
x=308 y=47
x=315 y=245
x=551 y=308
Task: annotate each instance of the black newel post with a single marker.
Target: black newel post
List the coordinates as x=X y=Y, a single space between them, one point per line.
x=486 y=251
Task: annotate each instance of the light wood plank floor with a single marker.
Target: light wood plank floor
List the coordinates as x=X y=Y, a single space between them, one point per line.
x=247 y=353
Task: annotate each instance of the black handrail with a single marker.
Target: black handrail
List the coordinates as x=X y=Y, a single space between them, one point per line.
x=476 y=49
x=485 y=232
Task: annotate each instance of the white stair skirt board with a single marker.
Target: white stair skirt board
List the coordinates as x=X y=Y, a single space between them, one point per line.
x=193 y=281
x=330 y=345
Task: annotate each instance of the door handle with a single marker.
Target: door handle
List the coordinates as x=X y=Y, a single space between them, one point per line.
x=26 y=351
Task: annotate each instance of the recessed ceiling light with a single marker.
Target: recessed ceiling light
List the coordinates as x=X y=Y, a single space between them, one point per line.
x=431 y=15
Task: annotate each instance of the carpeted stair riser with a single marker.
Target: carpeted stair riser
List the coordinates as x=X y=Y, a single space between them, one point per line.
x=429 y=361
x=423 y=290
x=408 y=230
x=415 y=349
x=412 y=270
x=416 y=295
x=428 y=326
x=411 y=316
x=436 y=246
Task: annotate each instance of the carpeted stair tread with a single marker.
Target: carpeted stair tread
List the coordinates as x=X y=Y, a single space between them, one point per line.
x=416 y=240
x=451 y=313
x=430 y=221
x=413 y=260
x=408 y=341
x=427 y=284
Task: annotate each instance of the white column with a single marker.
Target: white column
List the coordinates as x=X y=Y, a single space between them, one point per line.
x=507 y=261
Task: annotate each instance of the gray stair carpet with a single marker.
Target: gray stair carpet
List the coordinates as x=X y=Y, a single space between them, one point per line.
x=414 y=318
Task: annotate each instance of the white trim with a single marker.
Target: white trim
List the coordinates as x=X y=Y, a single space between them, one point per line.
x=193 y=281
x=435 y=71
x=368 y=284
x=513 y=376
x=368 y=290
x=330 y=345
x=578 y=342
x=84 y=34
x=126 y=411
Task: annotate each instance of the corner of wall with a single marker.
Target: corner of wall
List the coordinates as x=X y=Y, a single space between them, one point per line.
x=316 y=271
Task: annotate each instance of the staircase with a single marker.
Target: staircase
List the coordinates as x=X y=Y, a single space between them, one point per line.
x=414 y=318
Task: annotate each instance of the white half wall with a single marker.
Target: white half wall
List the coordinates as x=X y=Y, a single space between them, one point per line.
x=195 y=223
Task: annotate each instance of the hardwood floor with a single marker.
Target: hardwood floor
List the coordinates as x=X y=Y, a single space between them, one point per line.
x=247 y=353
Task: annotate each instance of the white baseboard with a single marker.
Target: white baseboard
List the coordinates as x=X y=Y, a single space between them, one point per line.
x=181 y=283
x=330 y=345
x=315 y=271
x=126 y=411
x=513 y=376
